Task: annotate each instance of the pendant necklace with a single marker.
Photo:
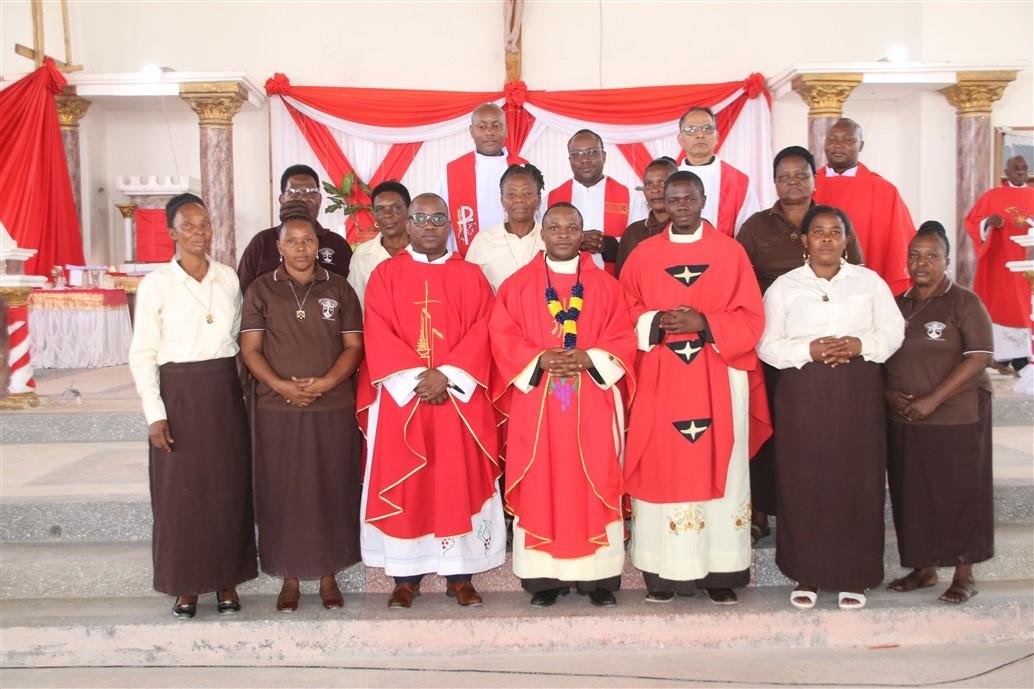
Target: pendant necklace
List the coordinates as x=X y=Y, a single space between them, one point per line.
x=300 y=313
x=209 y=318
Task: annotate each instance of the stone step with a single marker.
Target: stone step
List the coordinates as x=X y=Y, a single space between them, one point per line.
x=136 y=632
x=97 y=570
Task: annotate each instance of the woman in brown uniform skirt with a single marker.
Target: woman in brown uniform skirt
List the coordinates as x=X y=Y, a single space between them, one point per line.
x=301 y=338
x=828 y=327
x=939 y=431
x=772 y=240
x=183 y=359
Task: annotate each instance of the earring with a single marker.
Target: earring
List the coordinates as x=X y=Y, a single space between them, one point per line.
x=281 y=258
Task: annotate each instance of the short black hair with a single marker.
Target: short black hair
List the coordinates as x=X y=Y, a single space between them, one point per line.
x=818 y=210
x=684 y=176
x=563 y=204
x=173 y=205
x=697 y=108
x=297 y=170
x=524 y=170
x=932 y=228
x=391 y=186
x=794 y=152
x=585 y=131
x=663 y=161
x=295 y=216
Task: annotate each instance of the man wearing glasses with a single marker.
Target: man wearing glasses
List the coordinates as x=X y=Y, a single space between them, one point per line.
x=730 y=194
x=470 y=185
x=299 y=191
x=431 y=502
x=602 y=200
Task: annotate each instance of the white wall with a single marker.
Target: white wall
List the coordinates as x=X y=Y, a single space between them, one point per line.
x=567 y=45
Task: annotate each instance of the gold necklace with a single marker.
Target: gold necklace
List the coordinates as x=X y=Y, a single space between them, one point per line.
x=209 y=318
x=300 y=313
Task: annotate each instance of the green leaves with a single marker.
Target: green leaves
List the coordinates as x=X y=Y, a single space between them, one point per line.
x=340 y=196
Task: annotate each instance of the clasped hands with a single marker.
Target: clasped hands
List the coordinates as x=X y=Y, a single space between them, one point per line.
x=433 y=387
x=834 y=351
x=682 y=319
x=301 y=392
x=565 y=362
x=909 y=406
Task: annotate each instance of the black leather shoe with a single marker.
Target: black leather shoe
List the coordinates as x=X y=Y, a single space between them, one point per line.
x=723 y=596
x=184 y=611
x=544 y=599
x=601 y=598
x=660 y=597
x=228 y=606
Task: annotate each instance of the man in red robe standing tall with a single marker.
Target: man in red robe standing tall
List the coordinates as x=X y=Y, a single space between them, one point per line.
x=701 y=412
x=878 y=214
x=430 y=501
x=601 y=200
x=1001 y=213
x=470 y=185
x=562 y=339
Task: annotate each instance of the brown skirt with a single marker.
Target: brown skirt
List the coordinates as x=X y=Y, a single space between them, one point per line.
x=830 y=475
x=204 y=536
x=762 y=465
x=307 y=491
x=942 y=491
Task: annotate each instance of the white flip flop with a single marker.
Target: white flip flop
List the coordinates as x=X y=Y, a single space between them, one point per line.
x=847 y=600
x=810 y=596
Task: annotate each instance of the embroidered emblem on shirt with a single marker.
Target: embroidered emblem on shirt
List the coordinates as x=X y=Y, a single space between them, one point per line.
x=934 y=329
x=563 y=389
x=689 y=518
x=692 y=429
x=465 y=224
x=326 y=255
x=485 y=534
x=328 y=306
x=687 y=350
x=687 y=275
x=741 y=518
x=447 y=544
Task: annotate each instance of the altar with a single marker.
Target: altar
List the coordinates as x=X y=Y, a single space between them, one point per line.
x=79 y=328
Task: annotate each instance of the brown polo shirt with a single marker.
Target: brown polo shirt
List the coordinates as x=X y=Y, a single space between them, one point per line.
x=773 y=245
x=307 y=347
x=261 y=255
x=633 y=234
x=939 y=332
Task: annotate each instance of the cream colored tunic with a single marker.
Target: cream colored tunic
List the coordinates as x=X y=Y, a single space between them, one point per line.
x=500 y=254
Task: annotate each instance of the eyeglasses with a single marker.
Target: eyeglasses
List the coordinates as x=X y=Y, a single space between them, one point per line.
x=703 y=129
x=384 y=210
x=586 y=154
x=301 y=192
x=436 y=219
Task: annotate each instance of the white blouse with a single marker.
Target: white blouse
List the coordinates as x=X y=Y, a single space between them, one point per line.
x=365 y=258
x=801 y=307
x=171 y=324
x=500 y=254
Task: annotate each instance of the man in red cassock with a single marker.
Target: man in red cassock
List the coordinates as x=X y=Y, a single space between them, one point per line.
x=1004 y=212
x=430 y=499
x=470 y=185
x=601 y=200
x=878 y=214
x=563 y=342
x=701 y=411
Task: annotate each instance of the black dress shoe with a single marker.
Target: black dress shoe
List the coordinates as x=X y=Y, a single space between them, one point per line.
x=660 y=596
x=544 y=599
x=184 y=611
x=600 y=597
x=228 y=606
x=723 y=596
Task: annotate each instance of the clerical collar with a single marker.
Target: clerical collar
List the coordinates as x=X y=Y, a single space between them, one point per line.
x=714 y=159
x=1016 y=186
x=568 y=267
x=693 y=236
x=502 y=155
x=592 y=186
x=422 y=258
x=849 y=172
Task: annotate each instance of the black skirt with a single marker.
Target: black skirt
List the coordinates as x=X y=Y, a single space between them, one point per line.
x=762 y=465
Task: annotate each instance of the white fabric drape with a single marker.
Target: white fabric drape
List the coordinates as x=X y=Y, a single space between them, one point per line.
x=72 y=338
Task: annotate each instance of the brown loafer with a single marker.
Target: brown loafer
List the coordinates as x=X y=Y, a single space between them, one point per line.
x=331 y=596
x=464 y=593
x=287 y=601
x=403 y=595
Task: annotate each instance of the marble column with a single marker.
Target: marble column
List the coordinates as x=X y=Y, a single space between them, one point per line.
x=824 y=95
x=215 y=104
x=126 y=210
x=973 y=94
x=70 y=109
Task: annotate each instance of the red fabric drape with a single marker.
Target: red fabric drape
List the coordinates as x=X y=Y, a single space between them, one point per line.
x=518 y=120
x=36 y=203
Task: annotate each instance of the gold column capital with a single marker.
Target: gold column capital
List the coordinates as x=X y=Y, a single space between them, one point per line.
x=126 y=209
x=825 y=93
x=16 y=296
x=70 y=109
x=215 y=102
x=973 y=93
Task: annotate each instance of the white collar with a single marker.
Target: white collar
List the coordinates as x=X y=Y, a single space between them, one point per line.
x=603 y=182
x=183 y=275
x=849 y=172
x=713 y=161
x=422 y=258
x=568 y=267
x=1016 y=186
x=845 y=268
x=693 y=236
x=503 y=156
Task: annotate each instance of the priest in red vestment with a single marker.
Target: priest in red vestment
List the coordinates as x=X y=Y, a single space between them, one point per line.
x=470 y=185
x=430 y=502
x=1004 y=212
x=563 y=342
x=878 y=214
x=601 y=200
x=701 y=411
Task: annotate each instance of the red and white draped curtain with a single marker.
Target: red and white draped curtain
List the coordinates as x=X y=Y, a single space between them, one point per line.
x=409 y=135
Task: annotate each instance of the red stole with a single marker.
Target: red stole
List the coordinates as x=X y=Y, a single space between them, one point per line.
x=563 y=473
x=879 y=217
x=732 y=192
x=1005 y=294
x=615 y=205
x=461 y=179
x=681 y=435
x=433 y=466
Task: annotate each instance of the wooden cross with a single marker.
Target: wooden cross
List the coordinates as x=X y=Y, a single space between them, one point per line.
x=513 y=11
x=35 y=53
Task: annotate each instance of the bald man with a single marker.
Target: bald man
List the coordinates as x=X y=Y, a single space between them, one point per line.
x=878 y=214
x=470 y=185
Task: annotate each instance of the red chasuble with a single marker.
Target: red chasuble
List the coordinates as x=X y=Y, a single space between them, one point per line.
x=433 y=466
x=880 y=218
x=1005 y=294
x=680 y=436
x=615 y=208
x=463 y=198
x=563 y=473
x=732 y=192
